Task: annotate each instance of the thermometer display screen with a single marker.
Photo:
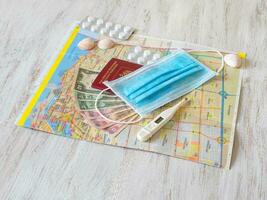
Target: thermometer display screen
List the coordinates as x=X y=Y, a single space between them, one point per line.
x=158 y=120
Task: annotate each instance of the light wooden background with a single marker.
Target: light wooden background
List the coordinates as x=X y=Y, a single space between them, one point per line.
x=36 y=165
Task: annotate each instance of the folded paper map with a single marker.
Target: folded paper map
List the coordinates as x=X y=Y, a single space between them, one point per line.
x=202 y=131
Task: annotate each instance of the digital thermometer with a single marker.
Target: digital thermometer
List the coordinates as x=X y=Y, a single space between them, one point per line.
x=150 y=129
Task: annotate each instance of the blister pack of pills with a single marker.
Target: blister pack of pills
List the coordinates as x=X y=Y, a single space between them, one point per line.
x=142 y=56
x=106 y=28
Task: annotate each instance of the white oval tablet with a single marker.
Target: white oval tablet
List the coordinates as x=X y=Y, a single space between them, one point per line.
x=112 y=33
x=127 y=29
x=147 y=53
x=105 y=43
x=94 y=28
x=122 y=35
x=109 y=24
x=103 y=30
x=149 y=62
x=85 y=25
x=117 y=27
x=140 y=60
x=137 y=49
x=86 y=44
x=90 y=19
x=131 y=56
x=99 y=21
x=156 y=56
x=232 y=60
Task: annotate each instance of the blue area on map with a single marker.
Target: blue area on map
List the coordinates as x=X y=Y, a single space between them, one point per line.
x=69 y=59
x=67 y=130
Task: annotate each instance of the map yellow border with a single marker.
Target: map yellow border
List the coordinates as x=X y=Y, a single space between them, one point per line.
x=47 y=78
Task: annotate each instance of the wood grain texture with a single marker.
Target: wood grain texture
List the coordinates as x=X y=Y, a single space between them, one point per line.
x=35 y=165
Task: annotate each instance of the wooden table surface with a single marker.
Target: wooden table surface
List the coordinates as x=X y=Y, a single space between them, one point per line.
x=35 y=165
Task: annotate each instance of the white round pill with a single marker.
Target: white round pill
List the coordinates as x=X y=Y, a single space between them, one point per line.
x=117 y=27
x=109 y=24
x=137 y=49
x=112 y=33
x=85 y=25
x=94 y=28
x=147 y=53
x=131 y=56
x=90 y=19
x=99 y=21
x=127 y=29
x=86 y=44
x=105 y=43
x=149 y=62
x=122 y=35
x=156 y=56
x=103 y=30
x=140 y=60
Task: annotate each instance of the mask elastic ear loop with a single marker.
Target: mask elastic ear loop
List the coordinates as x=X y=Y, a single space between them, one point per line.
x=111 y=120
x=222 y=61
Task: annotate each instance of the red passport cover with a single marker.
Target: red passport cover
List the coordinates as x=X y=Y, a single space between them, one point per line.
x=114 y=69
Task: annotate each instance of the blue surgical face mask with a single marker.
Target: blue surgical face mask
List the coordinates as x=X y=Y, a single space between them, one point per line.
x=155 y=85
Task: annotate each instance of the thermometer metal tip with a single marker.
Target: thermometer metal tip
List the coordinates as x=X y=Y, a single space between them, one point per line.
x=150 y=129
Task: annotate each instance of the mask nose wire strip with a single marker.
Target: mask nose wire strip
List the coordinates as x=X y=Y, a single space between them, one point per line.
x=222 y=57
x=106 y=118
